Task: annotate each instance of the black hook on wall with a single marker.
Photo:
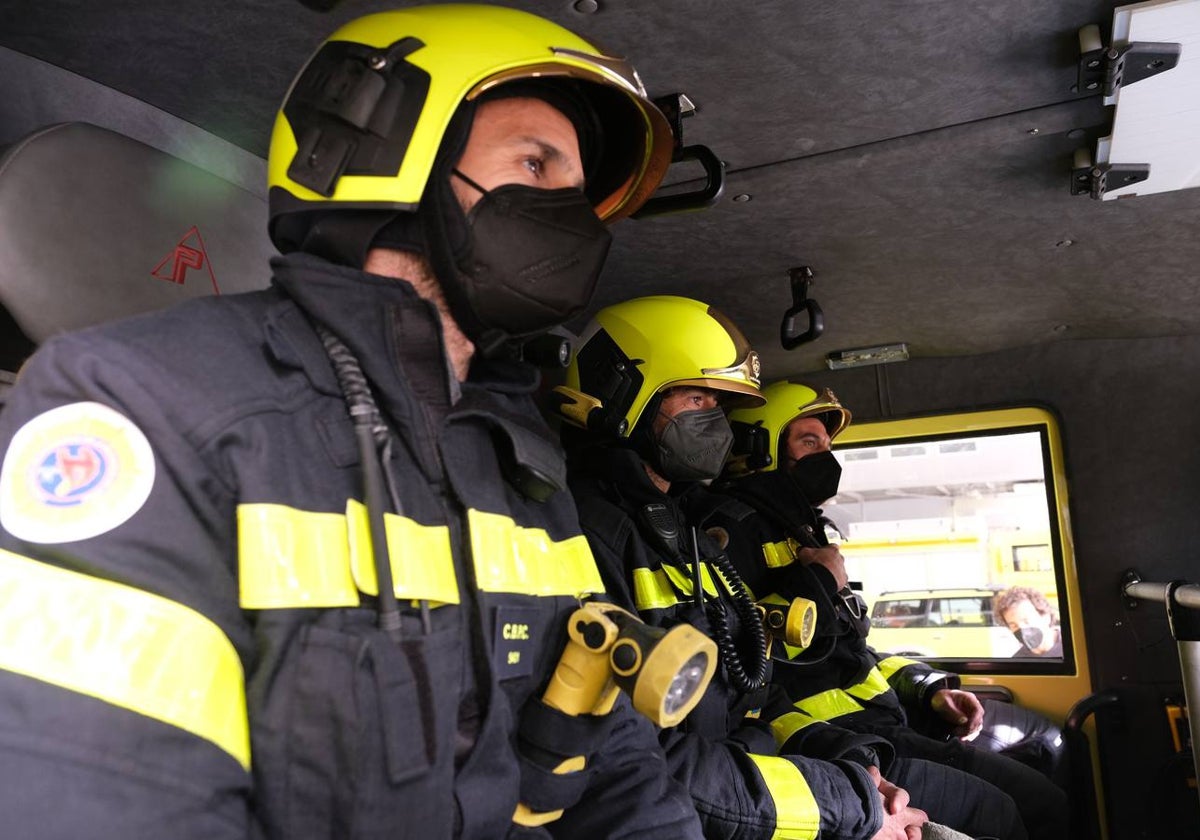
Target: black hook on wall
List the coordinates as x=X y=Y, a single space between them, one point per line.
x=675 y=108
x=790 y=335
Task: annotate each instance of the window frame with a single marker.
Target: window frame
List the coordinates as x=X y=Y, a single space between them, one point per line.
x=933 y=428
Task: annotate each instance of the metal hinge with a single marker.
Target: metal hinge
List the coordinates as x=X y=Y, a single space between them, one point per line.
x=1097 y=179
x=1107 y=69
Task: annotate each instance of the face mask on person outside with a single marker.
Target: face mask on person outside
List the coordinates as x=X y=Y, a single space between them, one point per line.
x=1030 y=637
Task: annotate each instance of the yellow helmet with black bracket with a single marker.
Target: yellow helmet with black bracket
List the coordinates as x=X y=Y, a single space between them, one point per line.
x=635 y=350
x=758 y=431
x=361 y=126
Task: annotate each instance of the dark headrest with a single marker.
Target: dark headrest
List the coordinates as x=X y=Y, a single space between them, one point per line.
x=95 y=226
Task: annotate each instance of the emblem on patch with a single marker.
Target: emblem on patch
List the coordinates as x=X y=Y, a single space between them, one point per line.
x=74 y=472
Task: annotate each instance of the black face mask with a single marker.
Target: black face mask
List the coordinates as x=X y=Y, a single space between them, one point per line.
x=694 y=445
x=1030 y=637
x=817 y=476
x=533 y=259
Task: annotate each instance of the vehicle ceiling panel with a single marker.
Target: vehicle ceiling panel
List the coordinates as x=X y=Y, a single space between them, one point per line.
x=775 y=79
x=955 y=241
x=887 y=144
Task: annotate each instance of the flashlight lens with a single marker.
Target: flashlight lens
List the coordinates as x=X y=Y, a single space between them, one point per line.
x=684 y=686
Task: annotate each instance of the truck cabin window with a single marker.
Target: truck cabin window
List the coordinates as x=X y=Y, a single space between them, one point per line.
x=955 y=540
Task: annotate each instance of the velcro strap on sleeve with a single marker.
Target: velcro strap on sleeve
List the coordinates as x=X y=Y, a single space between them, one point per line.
x=550 y=740
x=544 y=790
x=831 y=743
x=548 y=735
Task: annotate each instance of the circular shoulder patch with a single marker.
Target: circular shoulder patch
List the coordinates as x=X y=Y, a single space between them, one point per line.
x=74 y=472
x=719 y=535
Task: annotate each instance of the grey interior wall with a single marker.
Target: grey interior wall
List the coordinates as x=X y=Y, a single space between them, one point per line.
x=1128 y=410
x=38 y=94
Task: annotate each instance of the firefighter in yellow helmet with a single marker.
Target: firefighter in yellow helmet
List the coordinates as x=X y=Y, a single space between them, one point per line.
x=405 y=132
x=781 y=472
x=791 y=434
x=298 y=564
x=645 y=400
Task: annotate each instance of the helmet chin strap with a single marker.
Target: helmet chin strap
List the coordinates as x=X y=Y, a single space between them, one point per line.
x=344 y=237
x=490 y=342
x=480 y=256
x=642 y=439
x=462 y=176
x=445 y=232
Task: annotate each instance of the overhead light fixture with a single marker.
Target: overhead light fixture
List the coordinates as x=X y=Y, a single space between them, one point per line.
x=863 y=356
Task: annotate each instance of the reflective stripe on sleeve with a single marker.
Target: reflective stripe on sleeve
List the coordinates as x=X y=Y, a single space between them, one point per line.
x=832 y=704
x=291 y=558
x=892 y=664
x=779 y=554
x=829 y=705
x=788 y=724
x=797 y=815
x=511 y=558
x=871 y=687
x=125 y=646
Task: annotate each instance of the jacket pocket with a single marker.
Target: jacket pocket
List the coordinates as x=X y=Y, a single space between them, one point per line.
x=369 y=731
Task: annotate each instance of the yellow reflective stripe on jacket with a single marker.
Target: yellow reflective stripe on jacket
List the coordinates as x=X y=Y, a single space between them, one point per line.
x=297 y=558
x=683 y=580
x=797 y=815
x=661 y=588
x=835 y=702
x=511 y=558
x=892 y=664
x=293 y=558
x=127 y=647
x=871 y=687
x=778 y=554
x=829 y=705
x=788 y=724
x=422 y=565
x=652 y=590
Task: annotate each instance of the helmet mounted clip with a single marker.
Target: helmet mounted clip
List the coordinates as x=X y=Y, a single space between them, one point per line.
x=610 y=380
x=751 y=446
x=359 y=107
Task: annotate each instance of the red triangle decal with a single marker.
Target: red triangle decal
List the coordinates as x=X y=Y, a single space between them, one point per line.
x=188 y=253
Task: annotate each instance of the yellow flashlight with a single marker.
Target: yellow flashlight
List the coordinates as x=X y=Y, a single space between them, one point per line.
x=791 y=623
x=665 y=673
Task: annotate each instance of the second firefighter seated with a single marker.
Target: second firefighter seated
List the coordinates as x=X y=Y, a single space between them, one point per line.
x=645 y=400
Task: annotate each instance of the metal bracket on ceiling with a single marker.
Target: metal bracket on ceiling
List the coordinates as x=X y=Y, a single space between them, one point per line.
x=1106 y=70
x=1094 y=180
x=675 y=108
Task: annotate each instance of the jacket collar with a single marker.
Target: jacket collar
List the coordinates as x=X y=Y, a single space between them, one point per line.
x=364 y=311
x=622 y=470
x=774 y=495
